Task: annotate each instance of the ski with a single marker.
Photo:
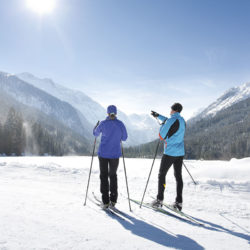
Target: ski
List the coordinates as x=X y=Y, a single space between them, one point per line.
x=147 y=205
x=163 y=211
x=108 y=210
x=182 y=214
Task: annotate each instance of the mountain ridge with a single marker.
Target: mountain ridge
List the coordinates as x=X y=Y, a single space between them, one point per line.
x=229 y=98
x=141 y=128
x=31 y=96
x=221 y=136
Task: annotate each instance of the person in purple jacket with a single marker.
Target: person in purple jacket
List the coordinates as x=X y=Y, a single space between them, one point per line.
x=113 y=132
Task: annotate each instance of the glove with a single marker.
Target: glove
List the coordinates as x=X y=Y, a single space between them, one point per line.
x=96 y=125
x=154 y=114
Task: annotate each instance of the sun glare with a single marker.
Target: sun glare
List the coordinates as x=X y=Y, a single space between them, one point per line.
x=41 y=6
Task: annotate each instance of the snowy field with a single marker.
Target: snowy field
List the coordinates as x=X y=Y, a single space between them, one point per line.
x=41 y=206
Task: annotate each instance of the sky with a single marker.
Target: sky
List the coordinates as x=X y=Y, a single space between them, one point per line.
x=140 y=55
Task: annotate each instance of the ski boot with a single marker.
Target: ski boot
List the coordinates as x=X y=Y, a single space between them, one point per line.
x=112 y=204
x=177 y=205
x=156 y=203
x=104 y=206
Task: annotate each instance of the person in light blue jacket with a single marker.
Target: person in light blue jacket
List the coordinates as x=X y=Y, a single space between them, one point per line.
x=172 y=133
x=113 y=132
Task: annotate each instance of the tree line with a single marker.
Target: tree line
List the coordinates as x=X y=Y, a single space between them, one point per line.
x=223 y=136
x=12 y=135
x=21 y=137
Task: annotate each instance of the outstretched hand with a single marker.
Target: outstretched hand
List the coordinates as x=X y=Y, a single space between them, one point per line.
x=154 y=114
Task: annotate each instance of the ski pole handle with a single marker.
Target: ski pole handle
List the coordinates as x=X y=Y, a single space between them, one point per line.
x=96 y=125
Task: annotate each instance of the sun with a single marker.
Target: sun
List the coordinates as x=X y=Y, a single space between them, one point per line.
x=41 y=6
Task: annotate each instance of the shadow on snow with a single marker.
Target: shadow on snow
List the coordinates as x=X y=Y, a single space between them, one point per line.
x=219 y=228
x=157 y=235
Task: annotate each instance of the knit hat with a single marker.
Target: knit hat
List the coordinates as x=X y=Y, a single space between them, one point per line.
x=177 y=107
x=112 y=109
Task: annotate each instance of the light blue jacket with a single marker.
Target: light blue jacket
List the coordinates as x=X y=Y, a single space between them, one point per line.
x=172 y=132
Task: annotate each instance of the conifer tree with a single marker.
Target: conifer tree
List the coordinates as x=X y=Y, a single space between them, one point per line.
x=14 y=134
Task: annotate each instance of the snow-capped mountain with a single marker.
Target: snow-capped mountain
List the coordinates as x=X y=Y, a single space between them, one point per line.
x=31 y=96
x=144 y=122
x=77 y=99
x=141 y=128
x=230 y=97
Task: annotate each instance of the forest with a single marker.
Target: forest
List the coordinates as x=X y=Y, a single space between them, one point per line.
x=24 y=137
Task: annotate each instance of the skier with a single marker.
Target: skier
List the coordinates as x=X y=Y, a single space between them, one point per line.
x=172 y=133
x=113 y=132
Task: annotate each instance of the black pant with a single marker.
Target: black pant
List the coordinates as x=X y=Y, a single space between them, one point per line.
x=108 y=176
x=166 y=163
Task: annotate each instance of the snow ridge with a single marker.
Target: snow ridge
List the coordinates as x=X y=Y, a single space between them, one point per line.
x=229 y=98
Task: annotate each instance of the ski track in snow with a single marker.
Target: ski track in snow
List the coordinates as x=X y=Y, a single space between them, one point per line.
x=42 y=206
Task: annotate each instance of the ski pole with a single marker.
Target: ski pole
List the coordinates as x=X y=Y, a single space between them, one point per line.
x=126 y=177
x=90 y=172
x=195 y=183
x=150 y=173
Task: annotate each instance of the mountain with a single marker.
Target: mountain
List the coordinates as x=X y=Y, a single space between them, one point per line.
x=141 y=128
x=31 y=96
x=43 y=134
x=221 y=131
x=77 y=99
x=229 y=98
x=143 y=121
x=146 y=126
x=224 y=135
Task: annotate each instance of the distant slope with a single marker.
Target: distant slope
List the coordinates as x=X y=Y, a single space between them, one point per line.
x=64 y=140
x=31 y=96
x=92 y=110
x=141 y=128
x=231 y=97
x=222 y=136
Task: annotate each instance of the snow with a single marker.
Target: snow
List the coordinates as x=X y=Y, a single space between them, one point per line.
x=42 y=206
x=229 y=98
x=91 y=110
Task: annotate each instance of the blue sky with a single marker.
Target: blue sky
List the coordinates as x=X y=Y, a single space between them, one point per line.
x=137 y=54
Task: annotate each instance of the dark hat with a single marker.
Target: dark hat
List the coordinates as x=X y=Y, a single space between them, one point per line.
x=112 y=109
x=177 y=107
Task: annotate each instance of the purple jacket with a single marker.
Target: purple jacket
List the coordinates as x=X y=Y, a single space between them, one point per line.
x=113 y=132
